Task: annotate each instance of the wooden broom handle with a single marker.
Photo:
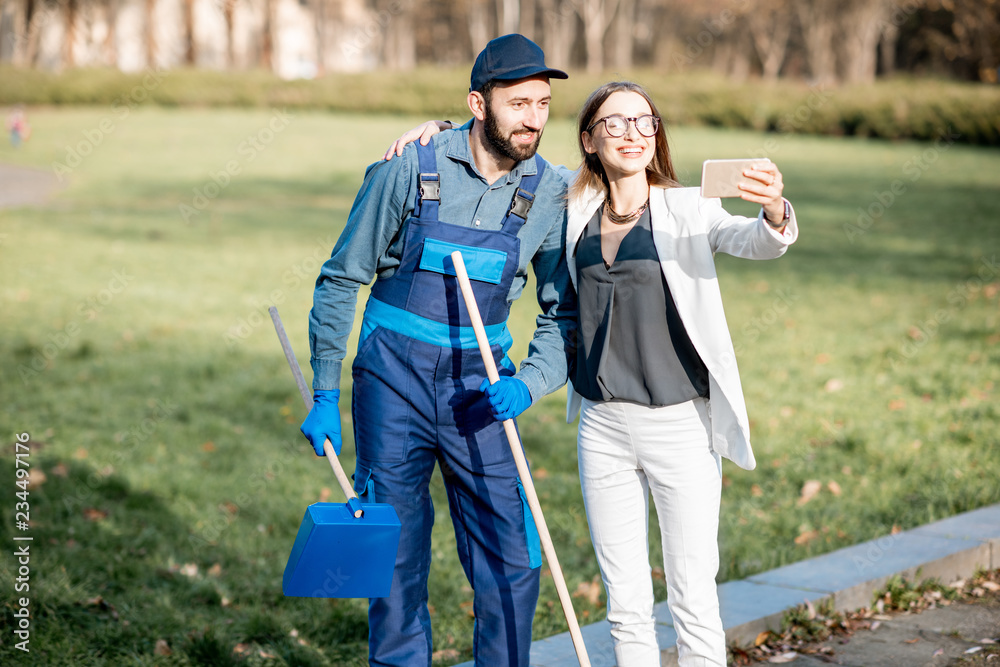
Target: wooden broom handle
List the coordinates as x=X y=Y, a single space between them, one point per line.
x=331 y=456
x=522 y=466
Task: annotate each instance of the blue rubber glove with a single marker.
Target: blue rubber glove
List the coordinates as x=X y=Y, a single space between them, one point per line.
x=323 y=421
x=508 y=397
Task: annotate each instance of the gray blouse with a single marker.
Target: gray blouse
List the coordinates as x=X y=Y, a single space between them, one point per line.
x=633 y=345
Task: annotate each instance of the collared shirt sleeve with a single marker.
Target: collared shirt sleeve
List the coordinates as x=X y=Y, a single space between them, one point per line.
x=376 y=217
x=546 y=368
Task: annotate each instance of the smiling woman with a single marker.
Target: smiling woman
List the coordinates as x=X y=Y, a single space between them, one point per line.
x=658 y=393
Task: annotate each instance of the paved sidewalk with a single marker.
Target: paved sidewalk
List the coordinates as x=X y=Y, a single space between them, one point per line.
x=23 y=186
x=950 y=549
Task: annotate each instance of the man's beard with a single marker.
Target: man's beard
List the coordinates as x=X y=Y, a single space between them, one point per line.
x=504 y=145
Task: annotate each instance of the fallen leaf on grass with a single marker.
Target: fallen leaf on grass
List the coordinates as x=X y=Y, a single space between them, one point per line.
x=215 y=570
x=189 y=570
x=540 y=473
x=806 y=536
x=658 y=574
x=324 y=493
x=823 y=358
x=809 y=491
x=242 y=649
x=60 y=470
x=756 y=491
x=783 y=657
x=162 y=648
x=897 y=404
x=833 y=385
x=208 y=446
x=94 y=514
x=35 y=478
x=467 y=607
x=445 y=654
x=80 y=453
x=834 y=488
x=591 y=590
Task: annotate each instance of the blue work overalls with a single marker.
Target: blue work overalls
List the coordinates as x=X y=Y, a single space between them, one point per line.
x=416 y=401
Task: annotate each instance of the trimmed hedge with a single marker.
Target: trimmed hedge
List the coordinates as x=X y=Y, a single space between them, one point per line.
x=902 y=108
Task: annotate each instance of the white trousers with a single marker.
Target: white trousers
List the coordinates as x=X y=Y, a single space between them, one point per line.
x=626 y=452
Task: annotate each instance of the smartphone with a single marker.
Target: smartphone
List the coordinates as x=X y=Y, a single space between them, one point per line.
x=721 y=178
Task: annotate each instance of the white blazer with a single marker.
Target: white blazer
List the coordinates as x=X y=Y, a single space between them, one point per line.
x=688 y=230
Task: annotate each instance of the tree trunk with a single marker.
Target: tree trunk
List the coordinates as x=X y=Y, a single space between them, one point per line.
x=624 y=33
x=527 y=23
x=597 y=16
x=20 y=30
x=399 y=43
x=508 y=16
x=818 y=20
x=69 y=57
x=559 y=25
x=319 y=19
x=770 y=26
x=479 y=26
x=111 y=39
x=228 y=9
x=190 y=43
x=150 y=34
x=267 y=37
x=862 y=24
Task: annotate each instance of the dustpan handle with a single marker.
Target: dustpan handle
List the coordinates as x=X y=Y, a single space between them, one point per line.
x=353 y=503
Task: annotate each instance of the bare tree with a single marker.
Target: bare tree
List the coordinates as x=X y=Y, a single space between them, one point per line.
x=818 y=20
x=319 y=21
x=228 y=10
x=508 y=16
x=527 y=24
x=399 y=44
x=624 y=35
x=110 y=47
x=479 y=24
x=559 y=26
x=190 y=42
x=267 y=37
x=150 y=27
x=770 y=25
x=69 y=41
x=862 y=22
x=597 y=16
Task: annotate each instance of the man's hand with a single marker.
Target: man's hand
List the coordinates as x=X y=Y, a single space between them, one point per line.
x=422 y=132
x=508 y=397
x=324 y=421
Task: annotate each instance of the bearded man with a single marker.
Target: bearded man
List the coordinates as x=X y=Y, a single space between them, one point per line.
x=419 y=393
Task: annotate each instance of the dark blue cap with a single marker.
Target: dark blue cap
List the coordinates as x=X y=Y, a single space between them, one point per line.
x=509 y=58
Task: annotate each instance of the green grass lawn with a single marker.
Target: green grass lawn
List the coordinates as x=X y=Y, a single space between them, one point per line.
x=136 y=350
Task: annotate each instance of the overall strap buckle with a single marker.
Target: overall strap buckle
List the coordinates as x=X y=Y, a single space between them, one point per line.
x=430 y=187
x=521 y=203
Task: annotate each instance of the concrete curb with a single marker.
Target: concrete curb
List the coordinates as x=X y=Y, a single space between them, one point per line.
x=949 y=549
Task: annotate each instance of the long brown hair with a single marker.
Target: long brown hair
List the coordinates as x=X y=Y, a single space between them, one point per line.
x=660 y=170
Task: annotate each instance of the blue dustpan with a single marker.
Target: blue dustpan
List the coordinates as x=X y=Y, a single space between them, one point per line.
x=337 y=555
x=341 y=550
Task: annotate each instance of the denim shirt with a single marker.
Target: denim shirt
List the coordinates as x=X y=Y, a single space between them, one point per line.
x=372 y=243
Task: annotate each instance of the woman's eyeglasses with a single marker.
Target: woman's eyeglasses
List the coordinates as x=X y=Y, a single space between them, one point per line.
x=617 y=124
